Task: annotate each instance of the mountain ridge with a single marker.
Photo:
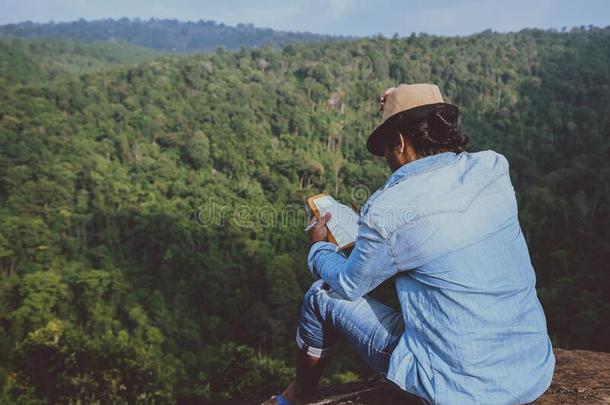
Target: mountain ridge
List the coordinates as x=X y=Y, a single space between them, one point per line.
x=169 y=35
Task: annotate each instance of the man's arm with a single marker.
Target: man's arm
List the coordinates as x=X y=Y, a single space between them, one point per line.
x=370 y=263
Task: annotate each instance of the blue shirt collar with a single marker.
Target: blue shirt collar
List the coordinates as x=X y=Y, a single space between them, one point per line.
x=419 y=165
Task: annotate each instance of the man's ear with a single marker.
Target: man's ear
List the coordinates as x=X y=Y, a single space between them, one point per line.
x=401 y=143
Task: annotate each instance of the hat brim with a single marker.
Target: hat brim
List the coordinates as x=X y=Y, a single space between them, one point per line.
x=377 y=139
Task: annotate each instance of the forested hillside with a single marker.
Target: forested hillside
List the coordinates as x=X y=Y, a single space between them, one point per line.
x=151 y=241
x=34 y=60
x=163 y=34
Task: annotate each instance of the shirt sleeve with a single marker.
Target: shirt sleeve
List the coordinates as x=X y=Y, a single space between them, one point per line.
x=370 y=263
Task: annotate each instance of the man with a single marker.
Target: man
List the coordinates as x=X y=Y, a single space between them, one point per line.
x=470 y=328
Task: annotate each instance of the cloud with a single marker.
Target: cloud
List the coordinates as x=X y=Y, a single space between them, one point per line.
x=314 y=15
x=467 y=16
x=337 y=8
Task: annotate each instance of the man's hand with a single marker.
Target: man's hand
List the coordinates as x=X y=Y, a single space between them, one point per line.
x=319 y=233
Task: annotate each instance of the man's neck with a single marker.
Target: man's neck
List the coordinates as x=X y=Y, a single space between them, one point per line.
x=417 y=165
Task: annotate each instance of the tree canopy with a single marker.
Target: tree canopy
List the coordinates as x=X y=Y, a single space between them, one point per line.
x=151 y=241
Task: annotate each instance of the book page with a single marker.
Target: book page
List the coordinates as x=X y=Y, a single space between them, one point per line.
x=343 y=222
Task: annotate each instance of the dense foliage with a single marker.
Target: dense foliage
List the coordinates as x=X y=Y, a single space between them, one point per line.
x=34 y=60
x=163 y=34
x=118 y=285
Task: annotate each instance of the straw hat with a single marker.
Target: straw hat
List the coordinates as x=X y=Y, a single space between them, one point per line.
x=404 y=104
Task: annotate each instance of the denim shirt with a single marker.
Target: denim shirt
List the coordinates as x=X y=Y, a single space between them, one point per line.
x=446 y=228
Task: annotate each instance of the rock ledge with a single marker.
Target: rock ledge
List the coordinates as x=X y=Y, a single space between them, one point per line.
x=581 y=377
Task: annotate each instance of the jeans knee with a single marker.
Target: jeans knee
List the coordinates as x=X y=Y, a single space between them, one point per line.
x=312 y=296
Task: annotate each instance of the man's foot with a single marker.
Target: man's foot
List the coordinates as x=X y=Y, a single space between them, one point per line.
x=295 y=395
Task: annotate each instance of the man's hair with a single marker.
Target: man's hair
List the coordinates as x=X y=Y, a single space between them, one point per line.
x=433 y=134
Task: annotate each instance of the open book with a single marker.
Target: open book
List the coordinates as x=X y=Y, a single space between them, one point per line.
x=343 y=223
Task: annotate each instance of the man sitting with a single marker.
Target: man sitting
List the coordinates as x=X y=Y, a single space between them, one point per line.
x=470 y=328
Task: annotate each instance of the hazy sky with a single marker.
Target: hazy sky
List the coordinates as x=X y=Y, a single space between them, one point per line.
x=347 y=17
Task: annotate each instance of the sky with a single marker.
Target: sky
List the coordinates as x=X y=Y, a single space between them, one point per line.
x=337 y=17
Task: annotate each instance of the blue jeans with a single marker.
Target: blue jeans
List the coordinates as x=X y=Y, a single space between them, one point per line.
x=372 y=328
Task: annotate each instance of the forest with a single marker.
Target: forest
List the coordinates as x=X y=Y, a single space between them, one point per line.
x=164 y=34
x=116 y=287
